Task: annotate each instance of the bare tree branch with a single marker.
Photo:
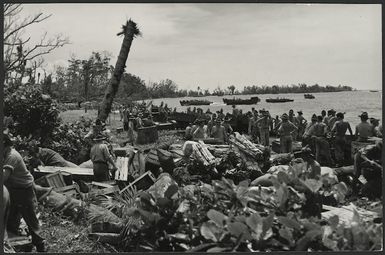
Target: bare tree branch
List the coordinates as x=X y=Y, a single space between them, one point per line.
x=35 y=19
x=17 y=54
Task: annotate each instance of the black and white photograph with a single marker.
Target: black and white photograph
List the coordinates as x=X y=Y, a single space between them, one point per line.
x=192 y=127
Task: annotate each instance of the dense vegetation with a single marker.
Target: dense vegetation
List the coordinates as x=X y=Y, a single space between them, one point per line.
x=86 y=79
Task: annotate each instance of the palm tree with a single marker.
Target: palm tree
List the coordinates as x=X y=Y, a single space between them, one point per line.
x=130 y=31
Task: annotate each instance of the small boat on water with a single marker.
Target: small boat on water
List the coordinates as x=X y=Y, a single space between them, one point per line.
x=239 y=101
x=279 y=100
x=194 y=102
x=373 y=90
x=309 y=96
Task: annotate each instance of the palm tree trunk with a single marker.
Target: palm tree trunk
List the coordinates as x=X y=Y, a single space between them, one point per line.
x=130 y=31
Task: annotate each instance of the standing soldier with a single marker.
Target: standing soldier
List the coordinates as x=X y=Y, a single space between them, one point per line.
x=100 y=157
x=318 y=132
x=253 y=127
x=306 y=138
x=264 y=127
x=293 y=120
x=211 y=123
x=20 y=184
x=286 y=130
x=364 y=130
x=219 y=132
x=125 y=119
x=302 y=122
x=340 y=127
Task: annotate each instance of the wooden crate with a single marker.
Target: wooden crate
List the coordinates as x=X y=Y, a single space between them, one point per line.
x=55 y=180
x=142 y=183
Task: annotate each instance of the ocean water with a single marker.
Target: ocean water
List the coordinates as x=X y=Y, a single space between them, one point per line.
x=350 y=102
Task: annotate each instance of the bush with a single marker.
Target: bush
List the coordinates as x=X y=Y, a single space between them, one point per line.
x=34 y=113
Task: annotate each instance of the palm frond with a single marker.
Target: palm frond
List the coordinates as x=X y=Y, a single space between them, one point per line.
x=132 y=26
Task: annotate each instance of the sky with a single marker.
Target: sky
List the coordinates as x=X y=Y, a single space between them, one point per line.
x=210 y=45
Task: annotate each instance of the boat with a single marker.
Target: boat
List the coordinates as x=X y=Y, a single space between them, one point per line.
x=309 y=96
x=373 y=90
x=194 y=102
x=279 y=100
x=239 y=101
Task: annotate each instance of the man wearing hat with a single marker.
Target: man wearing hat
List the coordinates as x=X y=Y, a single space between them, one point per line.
x=375 y=123
x=364 y=130
x=139 y=121
x=339 y=129
x=293 y=119
x=219 y=131
x=201 y=131
x=285 y=131
x=253 y=129
x=330 y=119
x=264 y=127
x=20 y=184
x=100 y=157
x=301 y=121
x=211 y=123
x=227 y=126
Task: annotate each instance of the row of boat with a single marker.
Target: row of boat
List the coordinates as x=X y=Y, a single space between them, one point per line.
x=239 y=101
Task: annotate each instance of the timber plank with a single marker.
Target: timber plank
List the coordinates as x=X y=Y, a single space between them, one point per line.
x=105 y=191
x=102 y=184
x=70 y=170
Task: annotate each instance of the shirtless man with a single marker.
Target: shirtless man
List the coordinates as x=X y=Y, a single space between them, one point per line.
x=211 y=123
x=339 y=129
x=364 y=130
x=264 y=125
x=306 y=138
x=286 y=130
x=253 y=129
x=293 y=120
x=219 y=131
x=301 y=121
x=318 y=132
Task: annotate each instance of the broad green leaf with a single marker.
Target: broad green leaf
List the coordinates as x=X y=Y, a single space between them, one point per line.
x=286 y=234
x=290 y=223
x=237 y=229
x=356 y=217
x=282 y=195
x=219 y=249
x=312 y=184
x=184 y=206
x=268 y=222
x=311 y=234
x=283 y=177
x=254 y=220
x=217 y=217
x=211 y=231
x=244 y=183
